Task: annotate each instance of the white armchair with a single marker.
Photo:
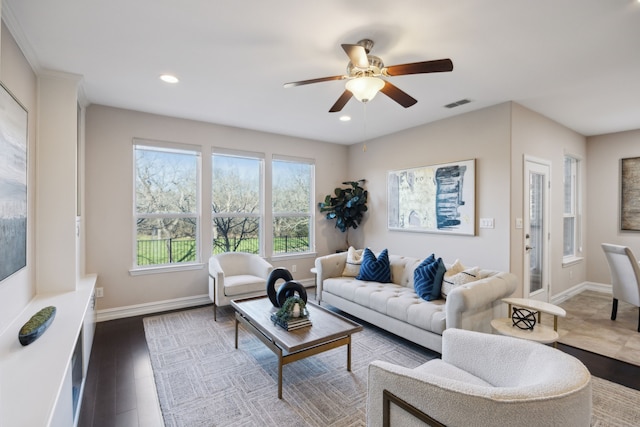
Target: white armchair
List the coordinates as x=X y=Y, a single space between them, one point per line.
x=482 y=380
x=234 y=275
x=625 y=277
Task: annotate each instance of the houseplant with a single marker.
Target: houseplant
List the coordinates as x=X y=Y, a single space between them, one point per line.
x=347 y=206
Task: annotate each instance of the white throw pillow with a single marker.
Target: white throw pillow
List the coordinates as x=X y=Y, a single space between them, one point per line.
x=465 y=276
x=354 y=260
x=456 y=268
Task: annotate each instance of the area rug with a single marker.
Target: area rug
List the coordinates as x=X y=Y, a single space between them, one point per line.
x=202 y=380
x=588 y=326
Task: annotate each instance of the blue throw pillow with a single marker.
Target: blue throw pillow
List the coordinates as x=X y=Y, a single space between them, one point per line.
x=427 y=278
x=375 y=270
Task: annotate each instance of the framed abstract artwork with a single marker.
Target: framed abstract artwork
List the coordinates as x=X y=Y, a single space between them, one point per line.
x=433 y=199
x=630 y=194
x=13 y=184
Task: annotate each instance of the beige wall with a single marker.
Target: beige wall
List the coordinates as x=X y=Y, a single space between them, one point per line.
x=537 y=136
x=603 y=182
x=108 y=199
x=482 y=135
x=16 y=74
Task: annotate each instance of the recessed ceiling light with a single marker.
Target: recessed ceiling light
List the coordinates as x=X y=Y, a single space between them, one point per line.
x=345 y=118
x=168 y=78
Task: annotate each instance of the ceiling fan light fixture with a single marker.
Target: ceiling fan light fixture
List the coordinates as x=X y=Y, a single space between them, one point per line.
x=365 y=88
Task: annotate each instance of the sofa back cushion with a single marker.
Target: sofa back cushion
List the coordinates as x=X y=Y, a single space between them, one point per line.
x=402 y=268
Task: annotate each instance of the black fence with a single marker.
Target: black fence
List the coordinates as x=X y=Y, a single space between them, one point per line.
x=169 y=251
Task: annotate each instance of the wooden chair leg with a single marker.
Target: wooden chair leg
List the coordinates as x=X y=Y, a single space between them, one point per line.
x=215 y=318
x=614 y=309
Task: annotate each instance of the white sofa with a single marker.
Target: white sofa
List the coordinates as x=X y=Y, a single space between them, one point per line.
x=396 y=308
x=483 y=380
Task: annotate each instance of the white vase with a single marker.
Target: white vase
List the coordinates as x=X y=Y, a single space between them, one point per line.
x=296 y=310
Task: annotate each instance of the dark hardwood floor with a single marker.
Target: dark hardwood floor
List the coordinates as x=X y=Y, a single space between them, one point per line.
x=120 y=390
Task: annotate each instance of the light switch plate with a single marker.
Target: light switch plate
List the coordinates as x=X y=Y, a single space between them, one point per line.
x=487 y=223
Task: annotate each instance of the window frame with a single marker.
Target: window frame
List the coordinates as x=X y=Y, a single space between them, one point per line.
x=177 y=148
x=310 y=214
x=575 y=208
x=251 y=155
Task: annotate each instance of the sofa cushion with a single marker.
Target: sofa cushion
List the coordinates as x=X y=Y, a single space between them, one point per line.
x=427 y=278
x=399 y=302
x=243 y=284
x=375 y=269
x=354 y=260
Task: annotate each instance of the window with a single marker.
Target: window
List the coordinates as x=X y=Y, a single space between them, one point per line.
x=291 y=192
x=236 y=203
x=571 y=236
x=166 y=204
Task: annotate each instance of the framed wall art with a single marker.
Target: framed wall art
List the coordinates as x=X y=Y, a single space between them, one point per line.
x=433 y=199
x=13 y=184
x=630 y=194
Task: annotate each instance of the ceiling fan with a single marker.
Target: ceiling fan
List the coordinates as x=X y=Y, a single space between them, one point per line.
x=364 y=74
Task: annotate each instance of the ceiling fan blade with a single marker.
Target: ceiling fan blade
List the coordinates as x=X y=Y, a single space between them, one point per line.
x=437 y=66
x=341 y=102
x=357 y=54
x=318 y=80
x=398 y=95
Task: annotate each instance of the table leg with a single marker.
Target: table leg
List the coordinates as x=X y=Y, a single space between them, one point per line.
x=280 y=375
x=349 y=355
x=237 y=331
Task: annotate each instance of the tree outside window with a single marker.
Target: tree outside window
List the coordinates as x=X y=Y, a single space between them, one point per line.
x=292 y=183
x=236 y=203
x=166 y=205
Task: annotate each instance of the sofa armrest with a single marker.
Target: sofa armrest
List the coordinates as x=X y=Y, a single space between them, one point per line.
x=326 y=267
x=478 y=295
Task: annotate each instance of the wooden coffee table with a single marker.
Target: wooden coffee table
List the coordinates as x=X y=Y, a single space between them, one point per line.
x=329 y=331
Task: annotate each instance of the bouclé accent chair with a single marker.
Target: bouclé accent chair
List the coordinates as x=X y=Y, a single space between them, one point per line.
x=236 y=275
x=482 y=380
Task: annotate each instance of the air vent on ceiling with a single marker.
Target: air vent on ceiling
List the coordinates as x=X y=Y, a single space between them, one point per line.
x=458 y=103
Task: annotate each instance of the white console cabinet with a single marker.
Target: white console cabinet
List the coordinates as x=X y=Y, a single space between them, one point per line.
x=41 y=383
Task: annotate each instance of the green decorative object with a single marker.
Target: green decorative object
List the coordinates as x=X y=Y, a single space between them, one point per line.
x=37 y=325
x=348 y=205
x=286 y=311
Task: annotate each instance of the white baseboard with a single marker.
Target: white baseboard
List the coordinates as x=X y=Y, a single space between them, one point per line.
x=581 y=287
x=151 y=307
x=159 y=306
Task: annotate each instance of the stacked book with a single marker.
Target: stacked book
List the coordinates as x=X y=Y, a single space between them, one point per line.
x=292 y=323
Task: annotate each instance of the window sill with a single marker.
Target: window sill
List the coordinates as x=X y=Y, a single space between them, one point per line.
x=165 y=269
x=569 y=261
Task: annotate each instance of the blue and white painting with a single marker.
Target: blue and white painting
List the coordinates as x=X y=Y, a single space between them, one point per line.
x=439 y=198
x=13 y=185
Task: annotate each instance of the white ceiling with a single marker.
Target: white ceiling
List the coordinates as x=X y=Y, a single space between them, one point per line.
x=575 y=61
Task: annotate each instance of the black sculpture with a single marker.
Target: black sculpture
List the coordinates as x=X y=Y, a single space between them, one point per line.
x=289 y=289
